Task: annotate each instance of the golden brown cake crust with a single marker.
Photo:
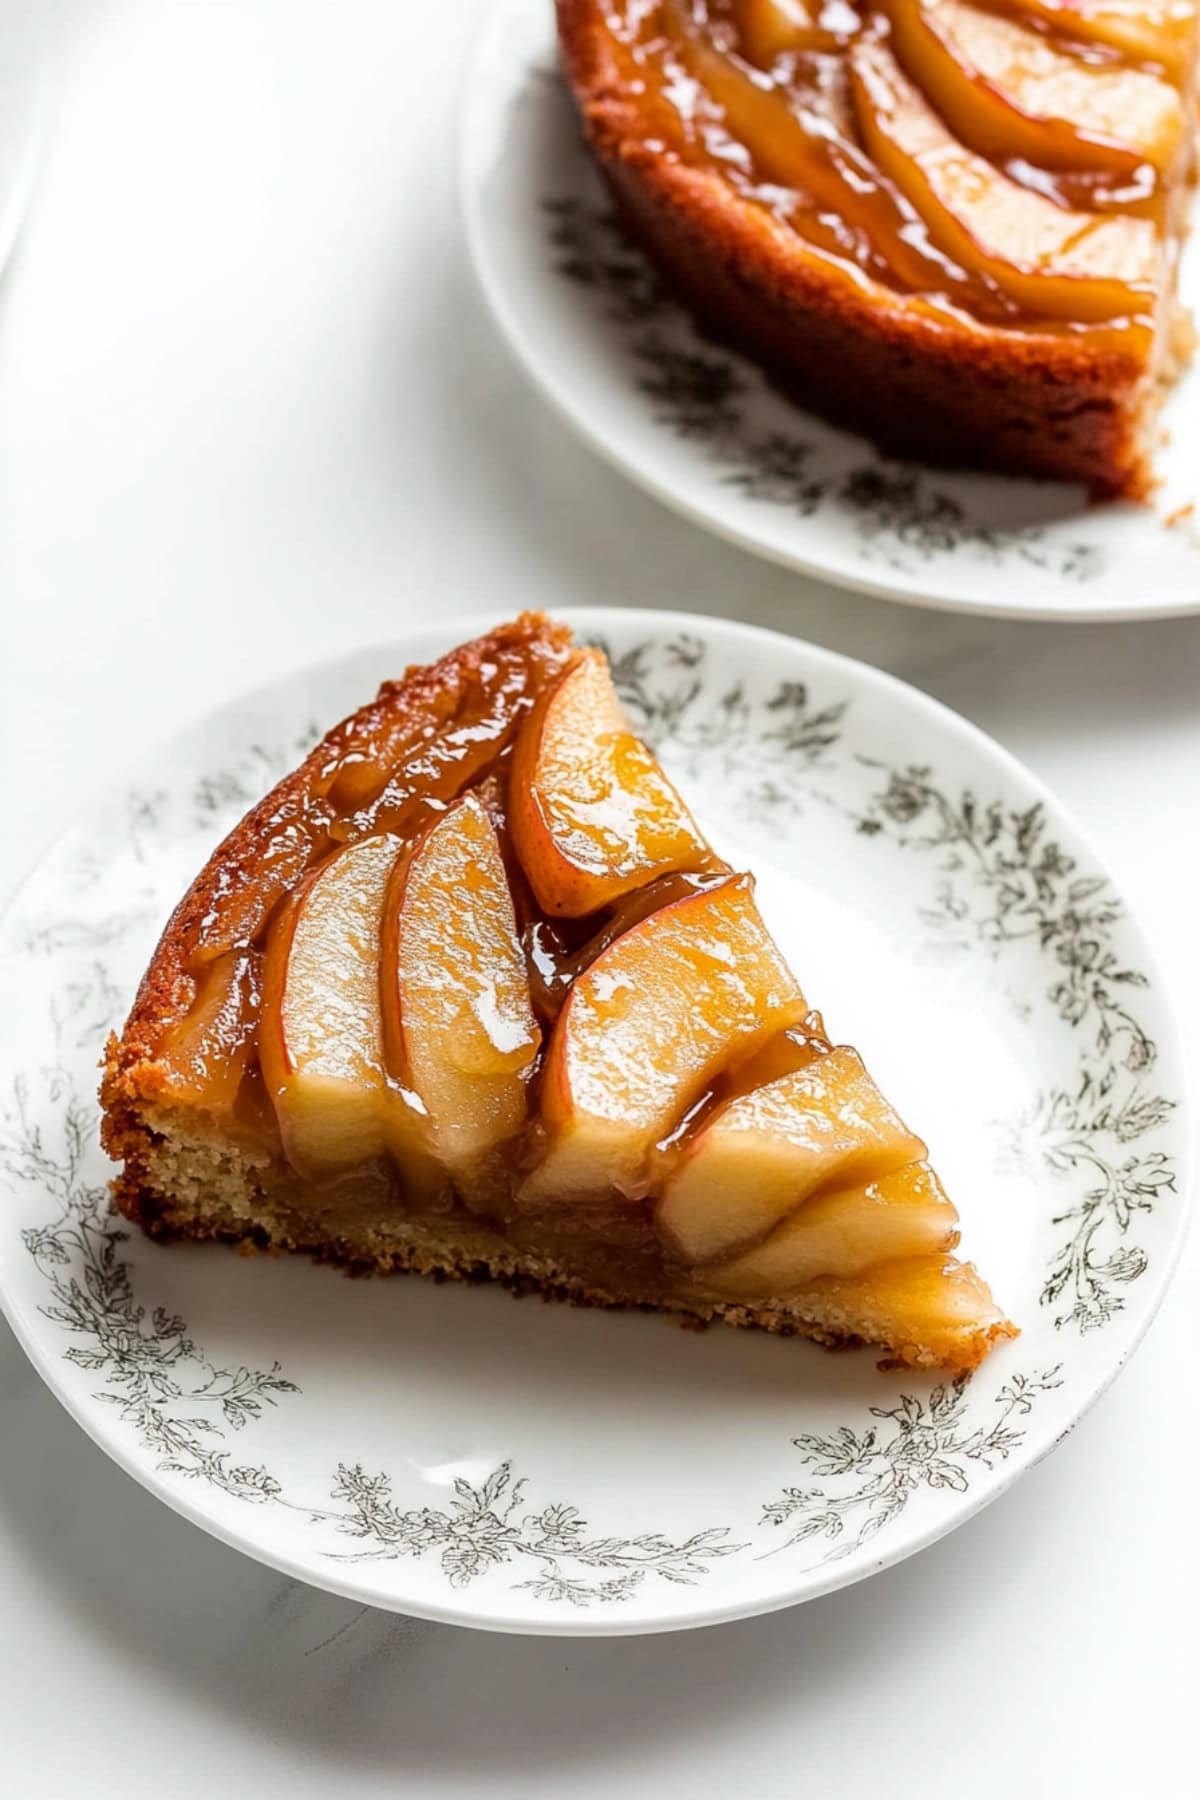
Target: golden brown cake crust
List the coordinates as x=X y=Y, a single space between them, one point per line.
x=941 y=388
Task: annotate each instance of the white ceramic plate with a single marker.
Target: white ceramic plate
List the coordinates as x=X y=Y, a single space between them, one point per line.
x=447 y=1452
x=699 y=428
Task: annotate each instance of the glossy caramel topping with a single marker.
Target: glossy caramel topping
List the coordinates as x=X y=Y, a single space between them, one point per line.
x=558 y=955
x=458 y=1024
x=213 y=1045
x=1025 y=168
x=576 y=1030
x=590 y=812
x=383 y=770
x=1045 y=259
x=386 y=770
x=1009 y=90
x=398 y=998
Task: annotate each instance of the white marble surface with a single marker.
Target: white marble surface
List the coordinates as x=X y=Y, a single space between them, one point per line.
x=252 y=413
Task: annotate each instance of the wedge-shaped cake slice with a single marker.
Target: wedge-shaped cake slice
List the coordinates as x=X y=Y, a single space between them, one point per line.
x=470 y=994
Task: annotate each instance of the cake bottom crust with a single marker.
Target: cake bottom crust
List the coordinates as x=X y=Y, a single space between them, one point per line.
x=197 y=1187
x=418 y=1247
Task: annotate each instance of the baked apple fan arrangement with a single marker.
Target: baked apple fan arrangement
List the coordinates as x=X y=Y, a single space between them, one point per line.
x=952 y=224
x=469 y=994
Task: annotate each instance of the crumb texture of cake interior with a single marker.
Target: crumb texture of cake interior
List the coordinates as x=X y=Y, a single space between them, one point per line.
x=470 y=994
x=954 y=225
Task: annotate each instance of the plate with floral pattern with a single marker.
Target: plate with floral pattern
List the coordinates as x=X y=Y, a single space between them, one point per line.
x=445 y=1451
x=699 y=428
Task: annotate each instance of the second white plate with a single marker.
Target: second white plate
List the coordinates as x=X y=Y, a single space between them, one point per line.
x=445 y=1451
x=700 y=429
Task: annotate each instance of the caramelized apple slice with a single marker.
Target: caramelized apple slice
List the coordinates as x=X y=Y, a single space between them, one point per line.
x=207 y=1052
x=321 y=1034
x=459 y=1031
x=907 y=1213
x=1153 y=31
x=804 y=149
x=769 y=1150
x=592 y=814
x=929 y=1310
x=661 y=1012
x=1008 y=90
x=769 y=28
x=1052 y=262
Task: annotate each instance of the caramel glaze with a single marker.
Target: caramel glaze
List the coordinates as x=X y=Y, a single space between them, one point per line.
x=802 y=157
x=385 y=769
x=557 y=954
x=401 y=788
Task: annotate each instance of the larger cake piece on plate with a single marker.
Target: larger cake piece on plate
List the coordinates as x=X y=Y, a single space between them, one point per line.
x=470 y=994
x=954 y=225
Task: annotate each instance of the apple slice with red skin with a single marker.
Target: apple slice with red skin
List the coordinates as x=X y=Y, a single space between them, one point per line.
x=459 y=1032
x=321 y=1034
x=672 y=1003
x=591 y=813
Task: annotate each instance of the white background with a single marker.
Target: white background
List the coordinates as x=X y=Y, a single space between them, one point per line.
x=252 y=414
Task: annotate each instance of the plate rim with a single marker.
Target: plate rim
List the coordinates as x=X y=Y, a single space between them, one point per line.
x=557 y=393
x=807 y=1584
